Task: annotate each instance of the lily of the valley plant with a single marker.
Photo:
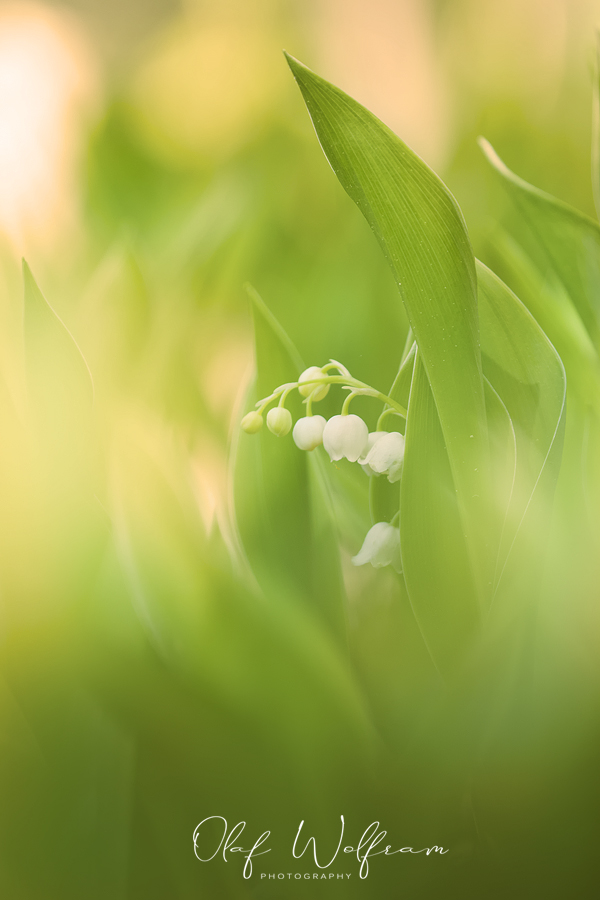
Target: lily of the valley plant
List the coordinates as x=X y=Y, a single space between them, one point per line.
x=345 y=436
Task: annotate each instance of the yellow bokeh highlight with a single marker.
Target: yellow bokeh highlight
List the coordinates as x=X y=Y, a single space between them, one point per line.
x=207 y=86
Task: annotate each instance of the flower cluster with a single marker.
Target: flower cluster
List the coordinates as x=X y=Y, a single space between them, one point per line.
x=344 y=436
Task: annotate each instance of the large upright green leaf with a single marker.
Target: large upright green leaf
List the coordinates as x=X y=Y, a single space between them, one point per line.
x=525 y=400
x=422 y=232
x=457 y=504
x=570 y=239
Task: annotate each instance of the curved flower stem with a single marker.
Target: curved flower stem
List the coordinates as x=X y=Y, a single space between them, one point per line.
x=358 y=387
x=386 y=412
x=284 y=396
x=346 y=403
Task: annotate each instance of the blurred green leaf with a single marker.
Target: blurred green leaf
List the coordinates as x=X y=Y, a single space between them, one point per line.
x=282 y=508
x=525 y=399
x=528 y=375
x=61 y=440
x=435 y=560
x=125 y=181
x=439 y=578
x=114 y=319
x=158 y=533
x=545 y=298
x=570 y=239
x=58 y=378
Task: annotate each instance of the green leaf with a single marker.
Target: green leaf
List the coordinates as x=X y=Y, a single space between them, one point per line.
x=59 y=380
x=570 y=240
x=459 y=508
x=528 y=376
x=114 y=319
x=503 y=467
x=282 y=505
x=60 y=394
x=546 y=299
x=435 y=560
x=422 y=233
x=525 y=400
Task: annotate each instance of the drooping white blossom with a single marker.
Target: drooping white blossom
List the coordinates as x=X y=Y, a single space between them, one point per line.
x=307 y=389
x=387 y=455
x=381 y=547
x=345 y=436
x=308 y=432
x=279 y=420
x=374 y=436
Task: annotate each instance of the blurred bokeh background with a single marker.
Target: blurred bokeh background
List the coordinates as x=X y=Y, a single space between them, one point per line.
x=155 y=156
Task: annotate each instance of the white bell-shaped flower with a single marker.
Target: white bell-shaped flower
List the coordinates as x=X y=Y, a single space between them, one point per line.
x=387 y=455
x=279 y=420
x=308 y=432
x=345 y=436
x=374 y=436
x=381 y=547
x=306 y=390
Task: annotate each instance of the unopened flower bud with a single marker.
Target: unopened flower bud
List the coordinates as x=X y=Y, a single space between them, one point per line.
x=279 y=420
x=345 y=436
x=252 y=422
x=308 y=432
x=306 y=390
x=381 y=547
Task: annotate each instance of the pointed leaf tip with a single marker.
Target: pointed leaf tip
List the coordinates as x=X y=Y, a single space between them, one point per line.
x=292 y=62
x=302 y=73
x=569 y=238
x=27 y=273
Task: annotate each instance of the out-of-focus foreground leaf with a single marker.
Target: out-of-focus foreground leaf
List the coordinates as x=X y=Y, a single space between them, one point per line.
x=570 y=240
x=230 y=666
x=528 y=375
x=65 y=520
x=562 y=290
x=58 y=379
x=281 y=498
